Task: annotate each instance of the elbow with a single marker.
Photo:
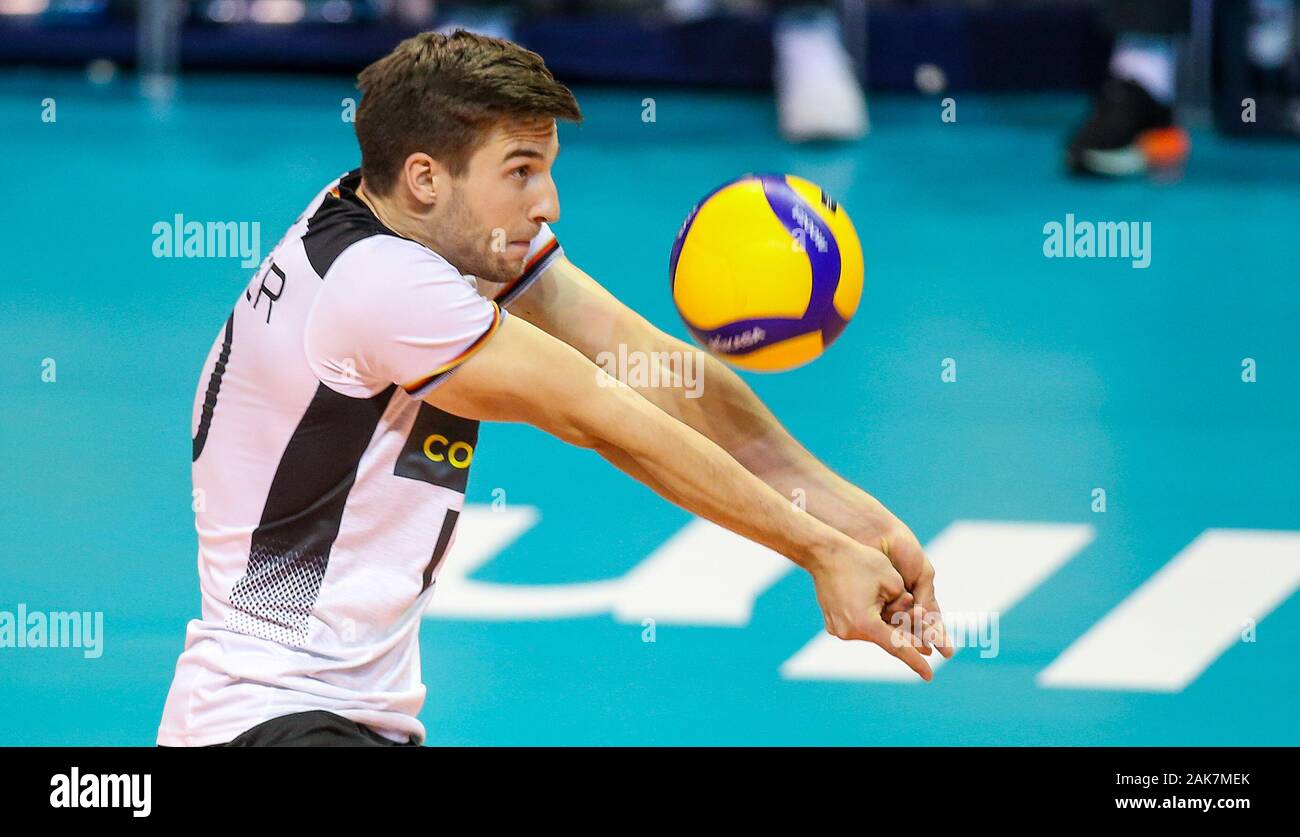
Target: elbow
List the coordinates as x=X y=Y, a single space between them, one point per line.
x=586 y=421
x=573 y=427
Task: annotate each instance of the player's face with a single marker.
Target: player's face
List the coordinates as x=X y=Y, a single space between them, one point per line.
x=501 y=201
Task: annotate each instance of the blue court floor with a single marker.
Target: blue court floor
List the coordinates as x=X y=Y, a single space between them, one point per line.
x=1168 y=618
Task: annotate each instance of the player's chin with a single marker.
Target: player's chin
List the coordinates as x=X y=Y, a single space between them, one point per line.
x=509 y=268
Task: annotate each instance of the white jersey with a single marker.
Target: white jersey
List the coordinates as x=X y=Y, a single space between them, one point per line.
x=326 y=492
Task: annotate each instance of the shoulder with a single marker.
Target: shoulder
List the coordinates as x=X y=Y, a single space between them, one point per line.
x=387 y=272
x=382 y=257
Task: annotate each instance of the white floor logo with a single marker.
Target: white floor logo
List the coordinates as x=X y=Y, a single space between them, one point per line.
x=106 y=790
x=707 y=576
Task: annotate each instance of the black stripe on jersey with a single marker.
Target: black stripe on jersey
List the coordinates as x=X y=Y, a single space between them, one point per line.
x=304 y=508
x=440 y=548
x=338 y=223
x=214 y=389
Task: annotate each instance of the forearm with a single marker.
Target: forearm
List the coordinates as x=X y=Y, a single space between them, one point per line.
x=569 y=304
x=565 y=395
x=693 y=472
x=729 y=413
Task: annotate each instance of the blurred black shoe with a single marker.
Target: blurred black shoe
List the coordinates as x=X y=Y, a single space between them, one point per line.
x=1128 y=132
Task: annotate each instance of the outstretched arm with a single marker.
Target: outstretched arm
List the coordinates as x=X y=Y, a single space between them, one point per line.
x=570 y=305
x=523 y=374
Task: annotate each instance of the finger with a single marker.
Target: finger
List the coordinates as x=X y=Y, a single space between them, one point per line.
x=892 y=603
x=924 y=593
x=891 y=587
x=910 y=620
x=896 y=642
x=937 y=630
x=940 y=634
x=902 y=604
x=909 y=554
x=902 y=613
x=920 y=629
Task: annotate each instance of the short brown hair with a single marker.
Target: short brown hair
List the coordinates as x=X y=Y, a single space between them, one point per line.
x=440 y=94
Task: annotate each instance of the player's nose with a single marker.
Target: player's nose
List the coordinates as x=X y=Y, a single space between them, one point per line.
x=547 y=209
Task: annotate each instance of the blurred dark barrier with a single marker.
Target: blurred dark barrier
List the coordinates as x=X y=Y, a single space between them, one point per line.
x=1254 y=93
x=1008 y=46
x=999 y=47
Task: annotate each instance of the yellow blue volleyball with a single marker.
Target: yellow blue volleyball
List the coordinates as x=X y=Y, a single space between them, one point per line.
x=767 y=271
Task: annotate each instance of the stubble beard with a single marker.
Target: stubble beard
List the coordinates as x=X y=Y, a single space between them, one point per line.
x=470 y=244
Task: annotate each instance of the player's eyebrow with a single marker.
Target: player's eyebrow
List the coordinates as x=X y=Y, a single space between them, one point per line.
x=523 y=152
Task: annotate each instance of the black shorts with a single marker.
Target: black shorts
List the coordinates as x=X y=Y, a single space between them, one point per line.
x=311 y=729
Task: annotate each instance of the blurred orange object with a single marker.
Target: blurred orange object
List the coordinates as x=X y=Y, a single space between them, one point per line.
x=1165 y=147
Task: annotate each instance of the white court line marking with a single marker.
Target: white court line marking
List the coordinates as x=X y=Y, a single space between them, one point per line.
x=1184 y=617
x=480 y=535
x=703 y=575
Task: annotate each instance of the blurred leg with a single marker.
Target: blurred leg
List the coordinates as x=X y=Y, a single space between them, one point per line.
x=1146 y=60
x=1131 y=127
x=817 y=89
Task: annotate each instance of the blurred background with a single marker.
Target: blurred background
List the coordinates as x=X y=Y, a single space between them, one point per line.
x=1100 y=456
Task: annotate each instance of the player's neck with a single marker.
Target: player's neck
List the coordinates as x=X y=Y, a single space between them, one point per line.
x=392 y=217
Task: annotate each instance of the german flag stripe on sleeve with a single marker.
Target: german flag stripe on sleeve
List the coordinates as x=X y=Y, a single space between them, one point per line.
x=417 y=385
x=531 y=270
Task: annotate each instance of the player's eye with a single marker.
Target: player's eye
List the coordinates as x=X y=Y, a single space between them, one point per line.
x=522 y=171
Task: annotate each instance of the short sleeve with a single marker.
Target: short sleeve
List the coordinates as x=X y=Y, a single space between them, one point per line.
x=543 y=251
x=393 y=312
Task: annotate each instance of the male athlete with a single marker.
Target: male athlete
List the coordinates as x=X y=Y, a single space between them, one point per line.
x=337 y=416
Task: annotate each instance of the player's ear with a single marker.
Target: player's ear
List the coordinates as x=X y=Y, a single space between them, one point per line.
x=423 y=176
